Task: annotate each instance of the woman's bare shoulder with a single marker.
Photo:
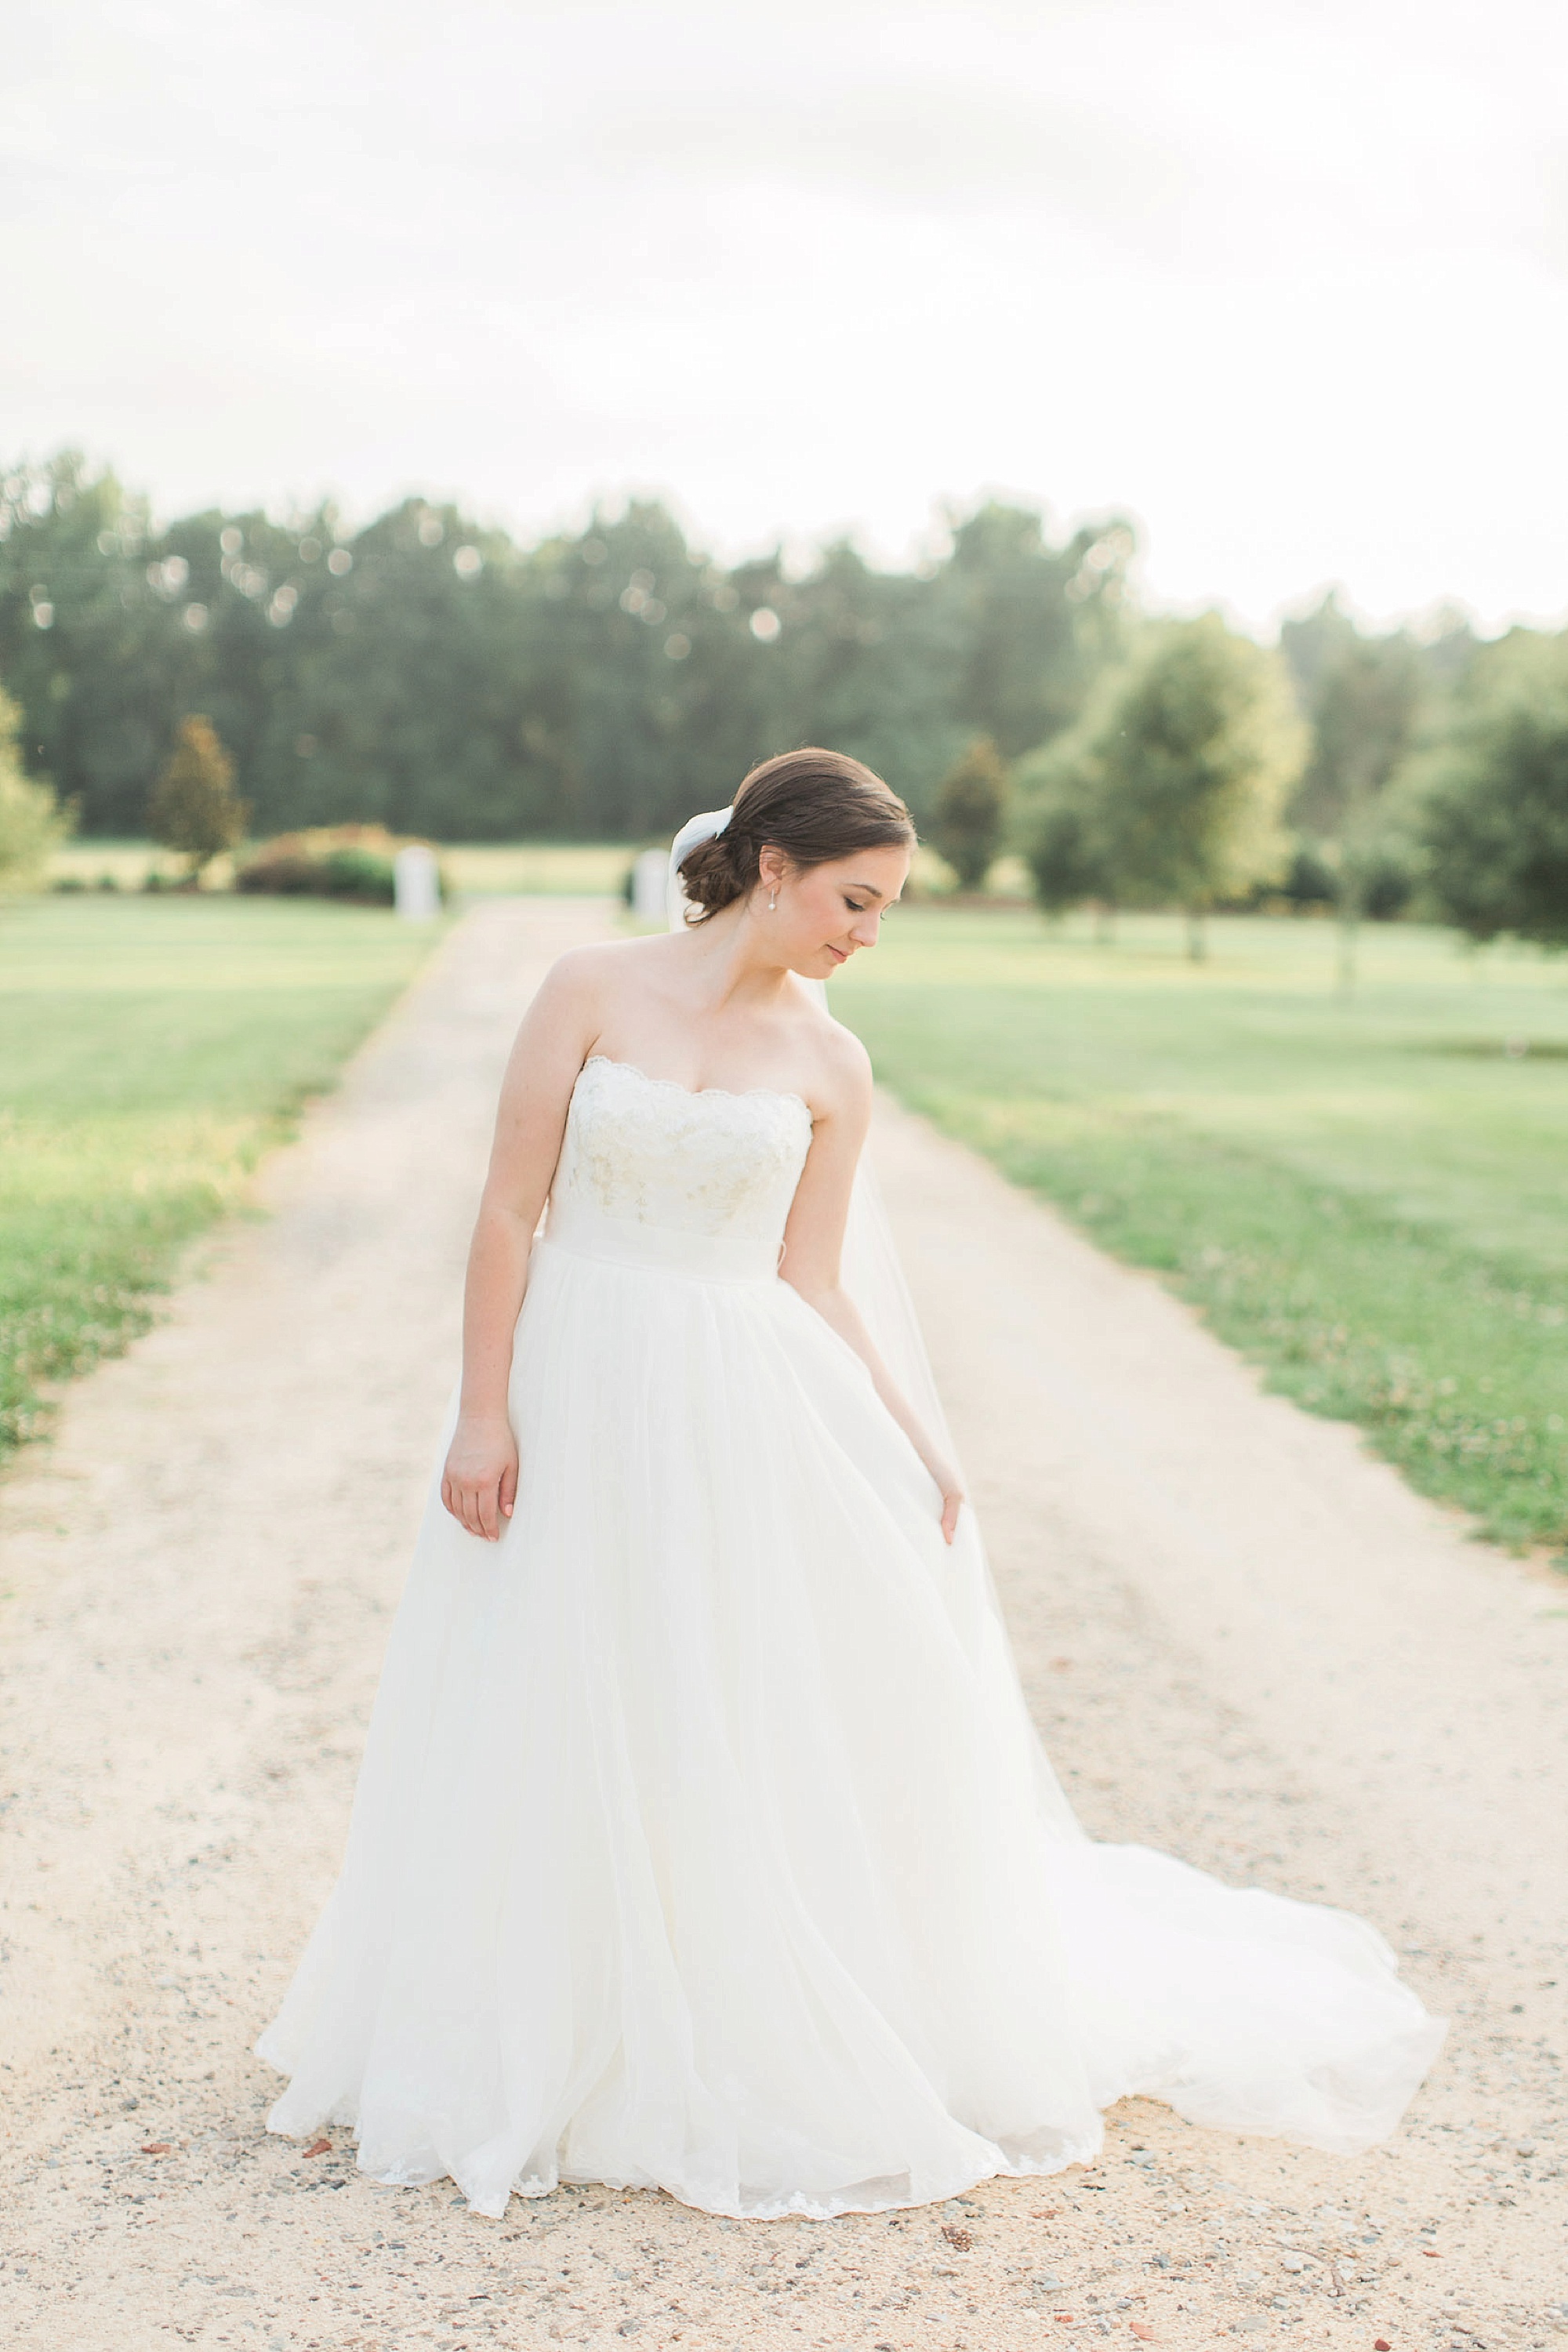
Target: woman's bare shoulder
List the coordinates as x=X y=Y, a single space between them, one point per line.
x=583 y=974
x=843 y=1062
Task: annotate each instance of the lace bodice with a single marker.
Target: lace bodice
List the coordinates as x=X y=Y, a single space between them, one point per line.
x=716 y=1166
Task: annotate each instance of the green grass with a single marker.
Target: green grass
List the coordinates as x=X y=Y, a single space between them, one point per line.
x=1367 y=1194
x=544 y=870
x=124 y=865
x=151 y=1050
x=538 y=870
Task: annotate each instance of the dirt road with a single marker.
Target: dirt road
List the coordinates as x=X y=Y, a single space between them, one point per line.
x=1245 y=1641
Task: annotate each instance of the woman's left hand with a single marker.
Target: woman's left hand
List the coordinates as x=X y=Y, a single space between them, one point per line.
x=951 y=1496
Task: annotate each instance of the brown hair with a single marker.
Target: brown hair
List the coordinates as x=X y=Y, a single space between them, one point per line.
x=815 y=805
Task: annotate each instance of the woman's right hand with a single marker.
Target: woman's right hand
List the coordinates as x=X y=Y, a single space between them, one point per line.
x=951 y=1492
x=479 y=1485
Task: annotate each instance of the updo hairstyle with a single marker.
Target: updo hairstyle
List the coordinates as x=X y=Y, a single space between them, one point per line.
x=815 y=805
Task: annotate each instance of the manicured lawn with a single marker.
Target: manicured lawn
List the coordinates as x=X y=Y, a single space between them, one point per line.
x=538 y=870
x=546 y=869
x=1366 y=1194
x=151 y=1049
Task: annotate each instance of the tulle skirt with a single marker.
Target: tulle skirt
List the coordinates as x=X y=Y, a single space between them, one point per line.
x=704 y=1841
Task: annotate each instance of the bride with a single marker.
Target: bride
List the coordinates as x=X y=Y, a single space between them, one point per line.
x=702 y=1841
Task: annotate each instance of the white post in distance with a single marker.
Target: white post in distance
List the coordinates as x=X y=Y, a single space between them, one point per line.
x=648 y=878
x=416 y=883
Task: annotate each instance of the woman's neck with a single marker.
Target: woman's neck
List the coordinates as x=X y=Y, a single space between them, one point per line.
x=737 y=966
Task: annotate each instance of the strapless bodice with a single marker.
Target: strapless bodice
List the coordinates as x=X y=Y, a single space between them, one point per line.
x=657 y=1174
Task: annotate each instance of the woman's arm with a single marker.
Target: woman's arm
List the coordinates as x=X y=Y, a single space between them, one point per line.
x=814 y=1243
x=479 y=1484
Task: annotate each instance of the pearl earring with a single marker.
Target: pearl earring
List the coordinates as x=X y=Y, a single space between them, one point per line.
x=773 y=903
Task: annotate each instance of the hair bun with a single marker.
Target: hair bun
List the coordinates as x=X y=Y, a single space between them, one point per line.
x=815 y=805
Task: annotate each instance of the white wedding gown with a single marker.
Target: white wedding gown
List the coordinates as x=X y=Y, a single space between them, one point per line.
x=703 y=1841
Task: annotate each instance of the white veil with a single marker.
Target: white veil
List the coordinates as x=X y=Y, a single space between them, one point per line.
x=871 y=1272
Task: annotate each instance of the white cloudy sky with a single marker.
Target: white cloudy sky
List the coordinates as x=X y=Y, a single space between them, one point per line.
x=1287 y=278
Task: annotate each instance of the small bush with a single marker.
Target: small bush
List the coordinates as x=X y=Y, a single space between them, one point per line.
x=351 y=863
x=1388 y=886
x=1309 y=879
x=967 y=822
x=357 y=874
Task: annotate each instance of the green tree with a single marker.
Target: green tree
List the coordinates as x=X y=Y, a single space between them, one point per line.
x=1363 y=712
x=1313 y=642
x=1055 y=794
x=1029 y=624
x=87 y=644
x=1494 y=795
x=970 y=813
x=1364 y=698
x=1194 y=748
x=193 y=807
x=32 y=822
x=865 y=660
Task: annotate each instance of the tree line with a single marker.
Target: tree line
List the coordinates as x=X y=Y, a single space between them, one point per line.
x=430 y=676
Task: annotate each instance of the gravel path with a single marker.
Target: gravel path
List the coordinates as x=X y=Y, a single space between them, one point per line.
x=1245 y=1641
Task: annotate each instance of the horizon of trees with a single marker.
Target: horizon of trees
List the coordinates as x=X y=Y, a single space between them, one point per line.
x=434 y=676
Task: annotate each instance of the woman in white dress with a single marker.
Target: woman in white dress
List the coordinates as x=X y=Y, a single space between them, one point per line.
x=703 y=1840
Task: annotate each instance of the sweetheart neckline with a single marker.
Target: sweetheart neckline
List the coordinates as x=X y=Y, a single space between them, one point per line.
x=695 y=1094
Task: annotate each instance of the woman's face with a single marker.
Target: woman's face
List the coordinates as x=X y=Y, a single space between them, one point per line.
x=826 y=914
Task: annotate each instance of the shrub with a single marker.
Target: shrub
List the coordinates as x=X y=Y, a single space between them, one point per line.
x=1054 y=830
x=971 y=807
x=1388 y=883
x=351 y=863
x=1311 y=879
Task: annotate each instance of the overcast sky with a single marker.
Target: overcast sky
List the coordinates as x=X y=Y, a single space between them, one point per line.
x=1287 y=280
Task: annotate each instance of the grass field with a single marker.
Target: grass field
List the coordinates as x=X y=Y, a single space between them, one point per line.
x=538 y=869
x=546 y=869
x=1366 y=1194
x=149 y=1050
x=123 y=865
